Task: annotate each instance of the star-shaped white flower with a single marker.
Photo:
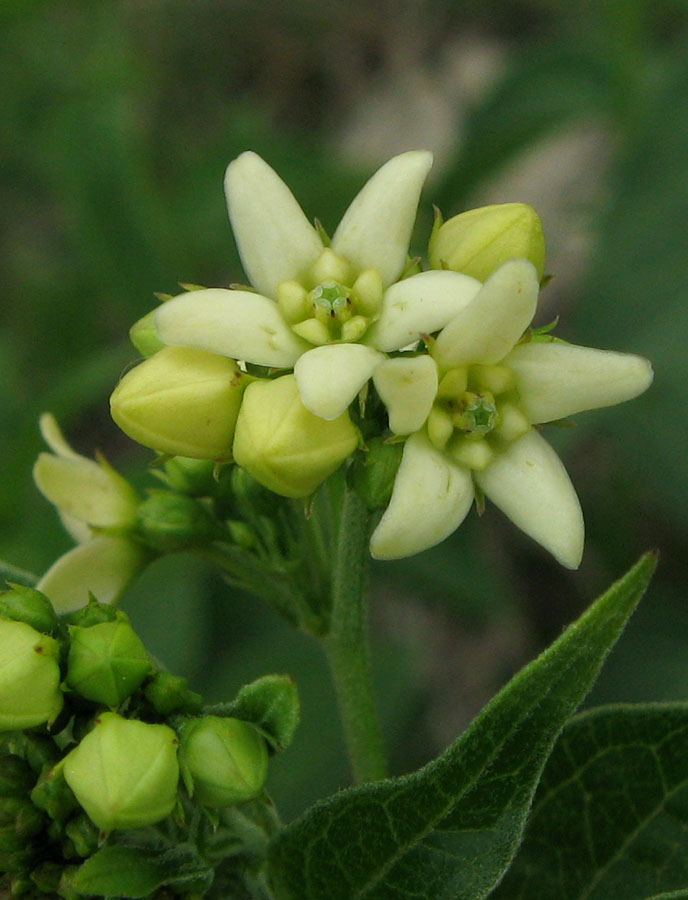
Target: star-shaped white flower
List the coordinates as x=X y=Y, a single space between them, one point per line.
x=330 y=313
x=98 y=507
x=470 y=407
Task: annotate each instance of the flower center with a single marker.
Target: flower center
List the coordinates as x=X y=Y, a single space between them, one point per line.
x=330 y=303
x=476 y=412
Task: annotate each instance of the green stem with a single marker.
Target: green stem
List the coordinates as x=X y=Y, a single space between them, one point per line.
x=346 y=645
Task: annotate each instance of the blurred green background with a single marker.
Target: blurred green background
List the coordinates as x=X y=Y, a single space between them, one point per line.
x=118 y=121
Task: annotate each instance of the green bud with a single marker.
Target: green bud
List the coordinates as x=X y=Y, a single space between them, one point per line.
x=46 y=877
x=283 y=445
x=144 y=337
x=169 y=522
x=224 y=760
x=374 y=472
x=16 y=777
x=124 y=773
x=37 y=750
x=93 y=614
x=181 y=401
x=106 y=662
x=83 y=834
x=478 y=241
x=29 y=677
x=25 y=604
x=53 y=794
x=191 y=476
x=169 y=693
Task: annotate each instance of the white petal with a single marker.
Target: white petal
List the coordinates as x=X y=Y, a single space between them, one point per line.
x=376 y=228
x=86 y=490
x=103 y=566
x=528 y=482
x=408 y=387
x=238 y=324
x=276 y=241
x=54 y=438
x=431 y=498
x=330 y=377
x=489 y=326
x=79 y=530
x=558 y=380
x=421 y=304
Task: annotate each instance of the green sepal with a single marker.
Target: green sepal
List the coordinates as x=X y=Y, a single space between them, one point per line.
x=374 y=470
x=169 y=694
x=451 y=829
x=93 y=614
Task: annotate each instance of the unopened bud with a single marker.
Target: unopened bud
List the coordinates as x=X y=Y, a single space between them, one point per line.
x=224 y=760
x=124 y=773
x=25 y=604
x=29 y=677
x=93 y=614
x=143 y=335
x=169 y=522
x=283 y=445
x=191 y=476
x=107 y=662
x=169 y=693
x=478 y=241
x=181 y=401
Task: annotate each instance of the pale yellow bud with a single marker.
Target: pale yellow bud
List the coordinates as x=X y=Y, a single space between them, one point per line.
x=283 y=445
x=181 y=401
x=478 y=241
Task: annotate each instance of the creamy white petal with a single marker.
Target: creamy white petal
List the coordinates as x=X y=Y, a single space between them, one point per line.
x=86 y=490
x=489 y=326
x=421 y=304
x=528 y=482
x=408 y=387
x=79 y=530
x=431 y=498
x=330 y=377
x=376 y=229
x=276 y=241
x=238 y=324
x=103 y=566
x=558 y=380
x=54 y=438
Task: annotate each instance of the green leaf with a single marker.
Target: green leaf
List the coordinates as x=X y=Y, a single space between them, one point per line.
x=271 y=703
x=610 y=817
x=133 y=871
x=451 y=829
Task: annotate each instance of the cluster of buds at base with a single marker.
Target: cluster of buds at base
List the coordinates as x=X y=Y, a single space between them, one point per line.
x=92 y=740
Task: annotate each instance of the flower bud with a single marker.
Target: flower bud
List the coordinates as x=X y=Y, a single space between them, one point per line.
x=25 y=604
x=169 y=693
x=181 y=401
x=283 y=445
x=93 y=614
x=478 y=241
x=106 y=662
x=144 y=337
x=124 y=773
x=169 y=522
x=224 y=760
x=191 y=476
x=29 y=677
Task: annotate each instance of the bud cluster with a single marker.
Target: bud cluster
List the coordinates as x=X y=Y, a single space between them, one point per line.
x=94 y=738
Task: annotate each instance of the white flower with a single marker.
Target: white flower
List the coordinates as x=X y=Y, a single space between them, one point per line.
x=330 y=313
x=98 y=507
x=472 y=404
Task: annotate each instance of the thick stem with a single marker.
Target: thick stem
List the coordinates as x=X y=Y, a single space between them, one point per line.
x=347 y=648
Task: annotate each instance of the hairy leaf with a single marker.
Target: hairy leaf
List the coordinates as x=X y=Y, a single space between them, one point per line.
x=449 y=831
x=610 y=817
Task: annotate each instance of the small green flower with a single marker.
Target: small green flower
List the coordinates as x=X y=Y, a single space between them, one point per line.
x=224 y=760
x=30 y=692
x=124 y=773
